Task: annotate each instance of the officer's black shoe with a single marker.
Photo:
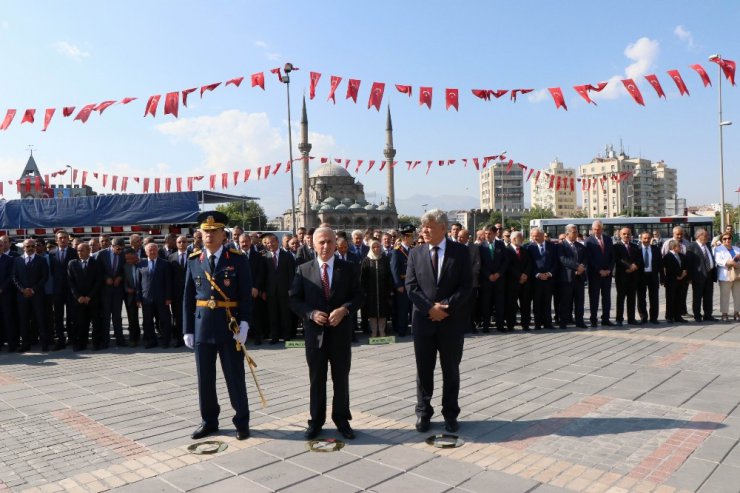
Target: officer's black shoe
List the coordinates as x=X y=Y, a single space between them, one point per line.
x=346 y=431
x=451 y=425
x=242 y=434
x=203 y=431
x=312 y=432
x=423 y=424
x=59 y=346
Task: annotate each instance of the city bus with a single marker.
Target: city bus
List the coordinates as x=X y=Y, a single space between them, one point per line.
x=612 y=225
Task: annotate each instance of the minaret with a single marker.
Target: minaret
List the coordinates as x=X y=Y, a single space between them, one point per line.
x=305 y=147
x=389 y=152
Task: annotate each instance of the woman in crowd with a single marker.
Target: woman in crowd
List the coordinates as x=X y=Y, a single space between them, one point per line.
x=727 y=258
x=377 y=284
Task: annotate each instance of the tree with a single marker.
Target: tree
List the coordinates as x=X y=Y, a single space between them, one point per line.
x=403 y=220
x=245 y=213
x=637 y=213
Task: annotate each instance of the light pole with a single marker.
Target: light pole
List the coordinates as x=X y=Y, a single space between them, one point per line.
x=718 y=58
x=288 y=68
x=631 y=196
x=70 y=179
x=503 y=207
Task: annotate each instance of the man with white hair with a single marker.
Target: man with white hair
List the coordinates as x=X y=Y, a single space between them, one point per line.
x=600 y=254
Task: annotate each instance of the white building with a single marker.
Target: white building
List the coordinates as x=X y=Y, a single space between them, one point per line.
x=561 y=202
x=501 y=190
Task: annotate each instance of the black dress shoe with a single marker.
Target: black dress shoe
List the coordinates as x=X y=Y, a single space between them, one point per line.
x=680 y=320
x=150 y=345
x=619 y=323
x=594 y=323
x=59 y=346
x=242 y=434
x=24 y=348
x=526 y=328
x=346 y=431
x=582 y=326
x=203 y=431
x=423 y=424
x=274 y=341
x=133 y=343
x=312 y=432
x=178 y=343
x=655 y=322
x=697 y=319
x=607 y=323
x=710 y=319
x=121 y=343
x=451 y=425
x=633 y=322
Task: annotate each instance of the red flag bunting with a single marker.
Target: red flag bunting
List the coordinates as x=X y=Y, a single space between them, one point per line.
x=484 y=94
x=315 y=76
x=583 y=92
x=235 y=175
x=84 y=113
x=185 y=93
x=258 y=79
x=514 y=93
x=682 y=89
x=28 y=116
x=114 y=182
x=552 y=181
x=277 y=167
x=598 y=87
x=178 y=184
x=359 y=165
x=167 y=183
x=509 y=165
x=631 y=87
x=1 y=189
x=84 y=178
x=67 y=111
x=370 y=166
x=224 y=180
x=236 y=81
x=530 y=174
x=425 y=96
x=335 y=80
x=451 y=98
x=572 y=185
x=475 y=163
x=247 y=172
x=728 y=68
x=557 y=96
x=653 y=79
x=171 y=103
x=9 y=115
x=104 y=106
x=429 y=166
x=353 y=87
x=37 y=184
x=209 y=87
x=266 y=171
x=74 y=175
x=277 y=72
x=702 y=73
x=105 y=180
x=151 y=105
x=213 y=182
x=404 y=89
x=190 y=183
x=376 y=95
x=126 y=100
x=124 y=183
x=156 y=185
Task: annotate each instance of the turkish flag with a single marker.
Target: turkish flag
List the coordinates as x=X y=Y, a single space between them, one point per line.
x=583 y=92
x=84 y=113
x=105 y=181
x=114 y=182
x=315 y=76
x=572 y=185
x=484 y=94
x=104 y=106
x=156 y=185
x=68 y=110
x=558 y=184
x=37 y=183
x=47 y=118
x=359 y=165
x=531 y=170
x=557 y=96
x=258 y=79
x=451 y=98
x=84 y=178
x=171 y=103
x=514 y=92
x=74 y=175
x=178 y=184
x=151 y=105
x=236 y=81
x=124 y=183
x=476 y=163
x=631 y=87
x=376 y=95
x=128 y=100
x=185 y=93
x=552 y=181
x=498 y=93
x=370 y=166
x=28 y=116
x=404 y=89
x=235 y=174
x=190 y=183
x=266 y=171
x=277 y=167
x=425 y=96
x=353 y=86
x=167 y=184
x=247 y=172
x=213 y=182
x=679 y=82
x=653 y=79
x=702 y=73
x=224 y=180
x=728 y=67
x=277 y=71
x=598 y=87
x=335 y=80
x=8 y=119
x=209 y=87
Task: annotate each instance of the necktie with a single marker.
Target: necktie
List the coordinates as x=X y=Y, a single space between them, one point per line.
x=28 y=260
x=182 y=260
x=646 y=257
x=274 y=260
x=435 y=262
x=84 y=264
x=114 y=263
x=492 y=248
x=61 y=254
x=706 y=255
x=151 y=267
x=325 y=281
x=542 y=249
x=212 y=264
x=601 y=244
x=518 y=253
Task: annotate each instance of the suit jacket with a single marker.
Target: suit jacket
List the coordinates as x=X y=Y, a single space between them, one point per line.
x=178 y=274
x=279 y=281
x=544 y=263
x=656 y=261
x=307 y=295
x=624 y=257
x=85 y=282
x=131 y=280
x=105 y=259
x=33 y=275
x=362 y=253
x=399 y=262
x=233 y=277
x=454 y=287
x=598 y=260
x=672 y=269
x=6 y=273
x=518 y=265
x=475 y=263
x=58 y=269
x=351 y=257
x=257 y=268
x=305 y=254
x=156 y=286
x=570 y=260
x=701 y=268
x=496 y=264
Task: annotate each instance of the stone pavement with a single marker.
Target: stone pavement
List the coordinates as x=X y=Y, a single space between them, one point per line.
x=641 y=409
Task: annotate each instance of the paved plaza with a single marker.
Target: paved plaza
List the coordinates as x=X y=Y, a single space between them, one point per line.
x=648 y=408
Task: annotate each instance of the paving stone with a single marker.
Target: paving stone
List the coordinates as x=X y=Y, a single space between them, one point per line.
x=239 y=483
x=196 y=475
x=692 y=474
x=410 y=482
x=403 y=458
x=322 y=483
x=151 y=485
x=715 y=448
x=244 y=460
x=363 y=474
x=450 y=472
x=724 y=479
x=279 y=475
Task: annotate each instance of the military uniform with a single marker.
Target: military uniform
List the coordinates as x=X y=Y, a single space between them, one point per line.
x=205 y=316
x=401 y=303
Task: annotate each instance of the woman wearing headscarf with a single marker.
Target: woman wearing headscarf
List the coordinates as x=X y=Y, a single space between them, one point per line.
x=377 y=284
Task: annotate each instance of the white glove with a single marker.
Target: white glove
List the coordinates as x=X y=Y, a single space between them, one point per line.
x=189 y=340
x=241 y=336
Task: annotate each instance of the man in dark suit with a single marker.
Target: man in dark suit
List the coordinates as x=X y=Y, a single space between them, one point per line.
x=571 y=279
x=675 y=275
x=518 y=283
x=324 y=293
x=111 y=262
x=600 y=254
x=85 y=283
x=137 y=243
x=358 y=247
x=399 y=262
x=306 y=251
x=30 y=273
x=279 y=279
x=170 y=246
x=544 y=269
x=703 y=276
x=178 y=266
x=650 y=277
x=463 y=237
x=344 y=253
x=258 y=270
x=154 y=296
x=130 y=284
x=494 y=261
x=439 y=282
x=63 y=302
x=628 y=263
x=7 y=297
x=218 y=286
x=197 y=244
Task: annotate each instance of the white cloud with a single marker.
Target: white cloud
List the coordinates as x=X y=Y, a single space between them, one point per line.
x=684 y=35
x=70 y=51
x=260 y=44
x=269 y=53
x=538 y=96
x=644 y=53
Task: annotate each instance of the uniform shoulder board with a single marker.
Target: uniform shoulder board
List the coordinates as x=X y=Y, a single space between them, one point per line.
x=234 y=250
x=194 y=254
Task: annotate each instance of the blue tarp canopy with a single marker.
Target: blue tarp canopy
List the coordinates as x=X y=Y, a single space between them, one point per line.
x=100 y=210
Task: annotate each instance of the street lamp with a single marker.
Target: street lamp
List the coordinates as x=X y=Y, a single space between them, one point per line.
x=631 y=196
x=288 y=68
x=717 y=59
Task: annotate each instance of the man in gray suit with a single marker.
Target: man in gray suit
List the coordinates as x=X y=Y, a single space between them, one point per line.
x=703 y=274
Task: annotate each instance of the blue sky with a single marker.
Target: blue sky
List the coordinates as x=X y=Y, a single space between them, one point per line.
x=77 y=52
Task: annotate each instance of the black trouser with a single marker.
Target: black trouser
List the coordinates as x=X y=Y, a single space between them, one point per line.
x=401 y=309
x=32 y=307
x=281 y=316
x=449 y=344
x=572 y=299
x=337 y=350
x=85 y=314
x=64 y=304
x=132 y=313
x=647 y=287
x=600 y=286
x=542 y=302
x=702 y=293
x=493 y=299
x=162 y=312
x=683 y=294
x=232 y=365
x=523 y=294
x=673 y=290
x=8 y=308
x=111 y=304
x=626 y=289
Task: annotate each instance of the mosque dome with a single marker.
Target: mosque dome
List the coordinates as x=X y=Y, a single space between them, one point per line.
x=330 y=169
x=355 y=207
x=331 y=201
x=341 y=207
x=347 y=201
x=370 y=207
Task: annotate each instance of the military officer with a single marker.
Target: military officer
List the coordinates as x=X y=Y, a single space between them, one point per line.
x=218 y=287
x=401 y=303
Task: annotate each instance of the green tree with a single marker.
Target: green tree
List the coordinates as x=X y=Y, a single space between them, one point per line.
x=412 y=220
x=638 y=213
x=245 y=213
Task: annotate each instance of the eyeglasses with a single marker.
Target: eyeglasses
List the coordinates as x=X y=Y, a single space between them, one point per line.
x=726 y=238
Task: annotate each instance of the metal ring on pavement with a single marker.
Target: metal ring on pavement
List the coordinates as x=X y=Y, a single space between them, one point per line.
x=445 y=441
x=325 y=445
x=207 y=448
